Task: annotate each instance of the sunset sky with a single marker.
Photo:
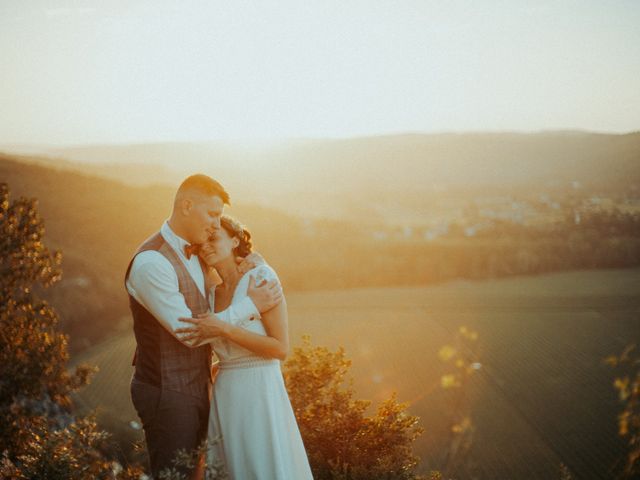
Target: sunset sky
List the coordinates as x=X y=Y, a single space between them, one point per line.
x=115 y=71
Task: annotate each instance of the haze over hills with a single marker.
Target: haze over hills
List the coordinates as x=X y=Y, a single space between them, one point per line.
x=100 y=202
x=365 y=169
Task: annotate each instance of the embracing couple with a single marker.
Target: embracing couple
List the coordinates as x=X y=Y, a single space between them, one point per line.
x=210 y=322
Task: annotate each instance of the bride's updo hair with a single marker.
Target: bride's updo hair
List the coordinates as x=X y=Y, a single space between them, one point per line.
x=236 y=229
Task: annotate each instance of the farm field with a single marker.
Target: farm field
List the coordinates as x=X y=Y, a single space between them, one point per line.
x=542 y=396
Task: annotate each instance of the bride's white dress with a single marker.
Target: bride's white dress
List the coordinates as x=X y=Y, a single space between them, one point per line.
x=251 y=410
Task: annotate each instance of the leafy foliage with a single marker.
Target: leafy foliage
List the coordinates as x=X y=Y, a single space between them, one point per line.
x=341 y=440
x=39 y=436
x=628 y=388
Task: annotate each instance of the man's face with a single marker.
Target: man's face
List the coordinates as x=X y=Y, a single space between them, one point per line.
x=204 y=217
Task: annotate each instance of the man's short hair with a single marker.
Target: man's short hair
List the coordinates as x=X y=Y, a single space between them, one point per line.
x=205 y=185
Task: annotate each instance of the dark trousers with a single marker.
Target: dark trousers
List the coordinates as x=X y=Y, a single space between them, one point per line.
x=171 y=421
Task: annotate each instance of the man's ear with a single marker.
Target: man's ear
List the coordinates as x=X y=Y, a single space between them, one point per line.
x=187 y=205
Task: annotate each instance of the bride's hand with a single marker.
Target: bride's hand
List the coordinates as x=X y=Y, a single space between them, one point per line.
x=204 y=327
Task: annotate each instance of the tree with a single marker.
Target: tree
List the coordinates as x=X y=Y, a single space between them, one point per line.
x=39 y=435
x=342 y=442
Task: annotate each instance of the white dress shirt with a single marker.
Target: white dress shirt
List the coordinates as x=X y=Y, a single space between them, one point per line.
x=153 y=282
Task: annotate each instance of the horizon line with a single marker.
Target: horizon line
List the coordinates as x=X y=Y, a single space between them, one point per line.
x=260 y=141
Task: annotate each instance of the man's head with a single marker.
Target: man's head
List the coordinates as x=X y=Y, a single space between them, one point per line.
x=197 y=208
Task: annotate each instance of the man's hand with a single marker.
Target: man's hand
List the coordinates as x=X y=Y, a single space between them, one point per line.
x=250 y=261
x=204 y=327
x=266 y=295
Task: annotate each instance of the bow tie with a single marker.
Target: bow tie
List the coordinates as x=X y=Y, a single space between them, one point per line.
x=191 y=250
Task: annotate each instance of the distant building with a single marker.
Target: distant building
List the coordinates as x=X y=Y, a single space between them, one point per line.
x=379 y=235
x=308 y=227
x=470 y=231
x=437 y=231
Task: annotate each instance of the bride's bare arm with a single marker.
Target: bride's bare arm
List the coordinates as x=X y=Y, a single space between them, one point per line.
x=274 y=345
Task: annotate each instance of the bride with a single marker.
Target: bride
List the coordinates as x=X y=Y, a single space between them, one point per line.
x=250 y=413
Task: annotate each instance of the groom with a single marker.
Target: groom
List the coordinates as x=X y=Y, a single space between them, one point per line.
x=171 y=384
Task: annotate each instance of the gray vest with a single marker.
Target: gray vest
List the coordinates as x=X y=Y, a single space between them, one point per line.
x=160 y=359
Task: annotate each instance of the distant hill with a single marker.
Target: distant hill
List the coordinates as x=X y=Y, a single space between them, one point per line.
x=418 y=160
x=351 y=173
x=357 y=184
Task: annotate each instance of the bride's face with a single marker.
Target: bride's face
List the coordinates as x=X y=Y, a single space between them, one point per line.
x=219 y=247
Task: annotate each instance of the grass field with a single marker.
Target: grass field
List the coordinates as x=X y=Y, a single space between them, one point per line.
x=543 y=395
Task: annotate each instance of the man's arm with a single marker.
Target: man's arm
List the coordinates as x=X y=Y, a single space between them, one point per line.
x=260 y=299
x=274 y=317
x=154 y=282
x=233 y=315
x=275 y=344
x=245 y=309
